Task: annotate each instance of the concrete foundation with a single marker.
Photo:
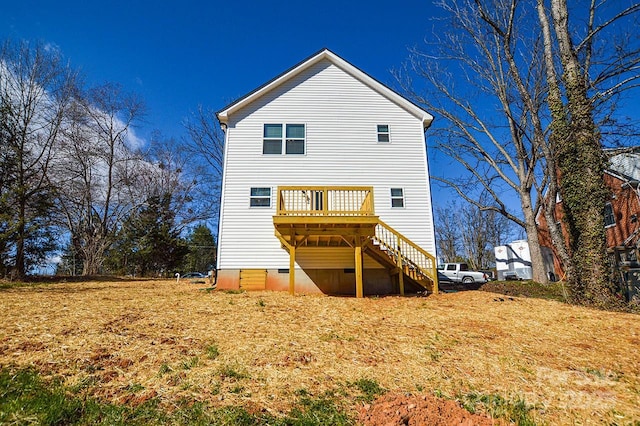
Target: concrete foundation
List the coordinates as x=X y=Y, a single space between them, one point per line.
x=308 y=281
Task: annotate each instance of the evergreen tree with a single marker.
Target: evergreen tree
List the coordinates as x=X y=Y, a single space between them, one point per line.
x=202 y=250
x=71 y=261
x=26 y=234
x=149 y=243
x=7 y=164
x=35 y=88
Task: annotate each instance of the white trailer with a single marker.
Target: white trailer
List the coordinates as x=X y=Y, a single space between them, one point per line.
x=513 y=261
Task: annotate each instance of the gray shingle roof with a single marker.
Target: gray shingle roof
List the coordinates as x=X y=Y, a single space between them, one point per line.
x=625 y=163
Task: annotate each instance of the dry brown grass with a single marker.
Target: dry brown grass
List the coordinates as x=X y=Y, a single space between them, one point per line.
x=132 y=340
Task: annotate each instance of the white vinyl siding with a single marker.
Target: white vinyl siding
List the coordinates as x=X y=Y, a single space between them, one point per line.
x=335 y=258
x=340 y=114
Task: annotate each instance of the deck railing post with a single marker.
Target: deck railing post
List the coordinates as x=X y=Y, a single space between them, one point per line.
x=358 y=262
x=434 y=271
x=325 y=201
x=368 y=202
x=400 y=266
x=292 y=266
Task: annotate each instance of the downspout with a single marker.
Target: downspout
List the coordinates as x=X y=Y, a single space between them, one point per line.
x=223 y=126
x=436 y=284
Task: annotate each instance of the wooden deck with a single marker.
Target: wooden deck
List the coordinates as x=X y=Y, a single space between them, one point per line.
x=343 y=216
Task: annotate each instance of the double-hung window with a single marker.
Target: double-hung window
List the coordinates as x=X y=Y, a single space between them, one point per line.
x=260 y=197
x=397 y=197
x=295 y=139
x=272 y=142
x=290 y=141
x=383 y=133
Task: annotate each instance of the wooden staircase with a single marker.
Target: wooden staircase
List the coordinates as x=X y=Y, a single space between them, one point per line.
x=404 y=259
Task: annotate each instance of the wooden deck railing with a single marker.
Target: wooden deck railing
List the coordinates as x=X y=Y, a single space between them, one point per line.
x=325 y=201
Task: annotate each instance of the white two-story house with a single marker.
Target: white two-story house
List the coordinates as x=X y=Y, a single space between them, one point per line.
x=325 y=186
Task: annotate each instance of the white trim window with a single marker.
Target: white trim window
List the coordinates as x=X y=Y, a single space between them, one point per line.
x=260 y=197
x=293 y=142
x=397 y=197
x=272 y=139
x=609 y=216
x=383 y=133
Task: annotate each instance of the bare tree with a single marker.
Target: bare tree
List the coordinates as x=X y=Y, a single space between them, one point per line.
x=205 y=141
x=169 y=169
x=34 y=93
x=171 y=198
x=465 y=232
x=482 y=230
x=96 y=169
x=586 y=77
x=486 y=93
x=502 y=56
x=447 y=233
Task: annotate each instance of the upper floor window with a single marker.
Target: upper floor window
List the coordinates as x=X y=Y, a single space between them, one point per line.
x=272 y=142
x=383 y=133
x=295 y=139
x=260 y=197
x=397 y=197
x=293 y=142
x=609 y=217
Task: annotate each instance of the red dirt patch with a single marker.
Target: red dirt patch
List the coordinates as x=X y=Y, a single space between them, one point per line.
x=136 y=400
x=398 y=409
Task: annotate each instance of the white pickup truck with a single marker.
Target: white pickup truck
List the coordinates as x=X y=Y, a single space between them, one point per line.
x=460 y=273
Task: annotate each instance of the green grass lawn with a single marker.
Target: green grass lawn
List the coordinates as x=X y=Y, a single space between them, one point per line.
x=26 y=398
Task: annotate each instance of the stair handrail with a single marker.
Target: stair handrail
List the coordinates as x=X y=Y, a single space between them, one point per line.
x=426 y=264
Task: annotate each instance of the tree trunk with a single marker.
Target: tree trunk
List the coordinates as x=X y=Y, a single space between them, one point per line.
x=537 y=260
x=555 y=232
x=581 y=164
x=21 y=227
x=19 y=264
x=93 y=257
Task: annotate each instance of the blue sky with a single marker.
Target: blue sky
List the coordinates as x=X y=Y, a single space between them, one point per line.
x=178 y=55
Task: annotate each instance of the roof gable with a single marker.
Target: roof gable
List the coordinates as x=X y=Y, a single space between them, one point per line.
x=325 y=54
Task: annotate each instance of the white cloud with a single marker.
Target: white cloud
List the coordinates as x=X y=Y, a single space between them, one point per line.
x=133 y=141
x=52 y=47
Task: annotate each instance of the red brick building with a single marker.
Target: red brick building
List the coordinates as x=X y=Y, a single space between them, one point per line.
x=622 y=211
